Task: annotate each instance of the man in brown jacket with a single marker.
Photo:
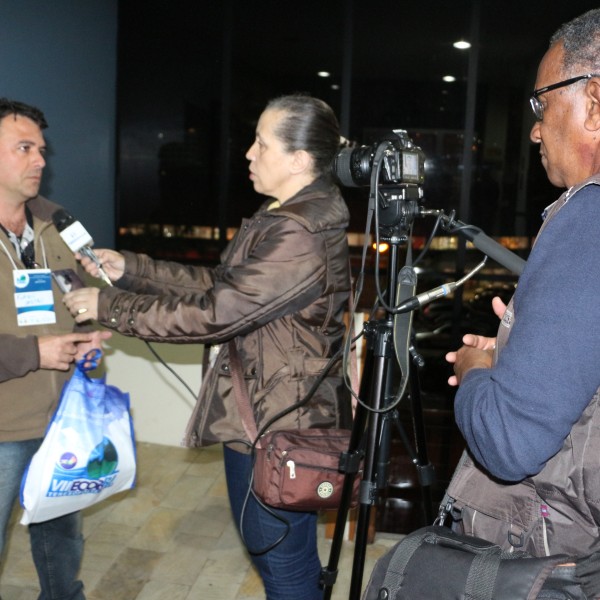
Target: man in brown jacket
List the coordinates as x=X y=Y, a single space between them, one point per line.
x=39 y=340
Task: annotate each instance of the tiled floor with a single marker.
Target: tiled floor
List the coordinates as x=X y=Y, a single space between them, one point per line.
x=171 y=538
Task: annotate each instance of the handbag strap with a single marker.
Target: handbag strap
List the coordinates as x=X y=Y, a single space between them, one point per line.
x=240 y=391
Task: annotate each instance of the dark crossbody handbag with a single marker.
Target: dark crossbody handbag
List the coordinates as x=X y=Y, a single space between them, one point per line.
x=294 y=469
x=299 y=469
x=436 y=563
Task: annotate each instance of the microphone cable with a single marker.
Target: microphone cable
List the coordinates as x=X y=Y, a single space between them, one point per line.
x=169 y=368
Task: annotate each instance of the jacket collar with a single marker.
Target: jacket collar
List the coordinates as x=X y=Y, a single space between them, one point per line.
x=317 y=207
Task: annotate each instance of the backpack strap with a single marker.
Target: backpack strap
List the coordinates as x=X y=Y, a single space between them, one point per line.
x=397 y=568
x=481 y=578
x=588 y=573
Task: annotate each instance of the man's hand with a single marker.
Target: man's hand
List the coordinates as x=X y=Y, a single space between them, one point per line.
x=59 y=351
x=477 y=350
x=467 y=358
x=96 y=342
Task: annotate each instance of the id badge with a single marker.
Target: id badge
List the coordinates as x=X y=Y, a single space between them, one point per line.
x=34 y=299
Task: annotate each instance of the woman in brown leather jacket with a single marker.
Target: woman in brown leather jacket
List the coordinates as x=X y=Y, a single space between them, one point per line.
x=279 y=292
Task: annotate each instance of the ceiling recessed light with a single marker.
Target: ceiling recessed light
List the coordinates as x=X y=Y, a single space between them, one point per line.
x=462 y=45
x=324 y=74
x=449 y=78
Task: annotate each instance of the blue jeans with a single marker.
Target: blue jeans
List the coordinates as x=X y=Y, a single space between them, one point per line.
x=292 y=569
x=56 y=545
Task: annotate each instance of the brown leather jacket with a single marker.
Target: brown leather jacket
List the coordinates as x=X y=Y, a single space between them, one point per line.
x=280 y=291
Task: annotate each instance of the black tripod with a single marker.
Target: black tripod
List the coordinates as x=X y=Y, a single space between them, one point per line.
x=389 y=344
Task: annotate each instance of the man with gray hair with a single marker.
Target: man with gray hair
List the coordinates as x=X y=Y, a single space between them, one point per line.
x=528 y=402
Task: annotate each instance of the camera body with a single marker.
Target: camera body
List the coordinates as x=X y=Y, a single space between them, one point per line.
x=401 y=174
x=402 y=162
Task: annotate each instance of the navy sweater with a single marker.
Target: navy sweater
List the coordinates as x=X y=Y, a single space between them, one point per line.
x=516 y=416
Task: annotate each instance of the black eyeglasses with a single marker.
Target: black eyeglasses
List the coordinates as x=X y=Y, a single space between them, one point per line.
x=538 y=107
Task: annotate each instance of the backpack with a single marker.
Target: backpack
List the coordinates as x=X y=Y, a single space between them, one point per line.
x=435 y=563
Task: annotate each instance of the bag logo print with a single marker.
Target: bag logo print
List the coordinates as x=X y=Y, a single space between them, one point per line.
x=68 y=461
x=99 y=473
x=325 y=489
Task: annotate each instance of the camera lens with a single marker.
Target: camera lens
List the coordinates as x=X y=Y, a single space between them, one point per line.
x=401 y=163
x=352 y=166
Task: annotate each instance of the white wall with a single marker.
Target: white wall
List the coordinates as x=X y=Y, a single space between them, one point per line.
x=161 y=405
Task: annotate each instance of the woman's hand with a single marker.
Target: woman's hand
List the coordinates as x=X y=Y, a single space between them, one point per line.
x=82 y=303
x=477 y=350
x=113 y=263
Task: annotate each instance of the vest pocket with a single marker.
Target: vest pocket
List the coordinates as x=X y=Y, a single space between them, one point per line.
x=509 y=515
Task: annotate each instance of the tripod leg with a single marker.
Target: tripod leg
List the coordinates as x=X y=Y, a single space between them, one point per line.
x=425 y=469
x=329 y=574
x=370 y=475
x=373 y=421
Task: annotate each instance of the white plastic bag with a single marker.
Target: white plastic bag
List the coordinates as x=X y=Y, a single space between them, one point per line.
x=87 y=455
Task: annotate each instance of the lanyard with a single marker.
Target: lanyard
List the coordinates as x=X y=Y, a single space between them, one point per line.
x=24 y=244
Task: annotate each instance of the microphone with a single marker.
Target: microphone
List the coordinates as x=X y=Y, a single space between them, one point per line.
x=493 y=249
x=438 y=292
x=426 y=297
x=486 y=244
x=76 y=237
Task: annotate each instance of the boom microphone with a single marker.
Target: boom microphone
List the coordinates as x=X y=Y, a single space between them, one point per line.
x=486 y=244
x=493 y=249
x=77 y=238
x=481 y=241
